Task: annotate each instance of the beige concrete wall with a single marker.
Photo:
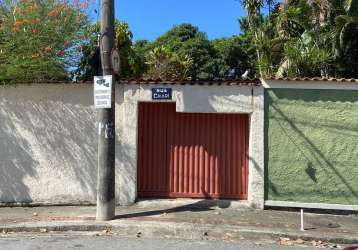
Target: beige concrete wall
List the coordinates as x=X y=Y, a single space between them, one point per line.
x=48 y=144
x=48 y=138
x=194 y=99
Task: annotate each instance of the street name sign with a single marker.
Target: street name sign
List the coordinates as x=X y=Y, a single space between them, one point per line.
x=161 y=93
x=102 y=92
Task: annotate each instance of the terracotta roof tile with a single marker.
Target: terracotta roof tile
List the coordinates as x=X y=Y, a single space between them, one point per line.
x=229 y=82
x=325 y=79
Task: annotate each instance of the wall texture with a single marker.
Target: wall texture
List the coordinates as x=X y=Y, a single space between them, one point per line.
x=48 y=138
x=48 y=144
x=311 y=149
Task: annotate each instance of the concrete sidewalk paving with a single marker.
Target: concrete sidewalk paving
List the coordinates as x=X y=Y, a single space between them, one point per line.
x=186 y=219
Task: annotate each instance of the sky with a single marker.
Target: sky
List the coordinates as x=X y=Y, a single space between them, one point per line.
x=148 y=19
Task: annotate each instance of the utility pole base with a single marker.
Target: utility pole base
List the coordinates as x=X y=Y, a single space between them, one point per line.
x=105 y=210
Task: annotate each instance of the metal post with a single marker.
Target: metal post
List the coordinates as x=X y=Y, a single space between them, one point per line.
x=106 y=121
x=302 y=226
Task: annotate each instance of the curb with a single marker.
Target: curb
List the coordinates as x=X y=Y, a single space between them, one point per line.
x=155 y=229
x=53 y=227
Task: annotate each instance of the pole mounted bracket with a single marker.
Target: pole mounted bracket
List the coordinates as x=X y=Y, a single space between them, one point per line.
x=109 y=130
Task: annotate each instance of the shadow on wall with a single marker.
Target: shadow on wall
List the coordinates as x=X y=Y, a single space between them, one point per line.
x=16 y=163
x=47 y=145
x=321 y=128
x=126 y=172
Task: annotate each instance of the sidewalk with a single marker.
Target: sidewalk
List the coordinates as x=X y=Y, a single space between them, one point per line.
x=187 y=219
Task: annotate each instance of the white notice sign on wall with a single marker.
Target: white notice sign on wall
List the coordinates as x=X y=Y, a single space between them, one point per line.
x=102 y=91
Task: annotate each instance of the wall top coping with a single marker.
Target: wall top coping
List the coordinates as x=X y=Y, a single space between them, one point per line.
x=311 y=83
x=221 y=81
x=227 y=82
x=314 y=79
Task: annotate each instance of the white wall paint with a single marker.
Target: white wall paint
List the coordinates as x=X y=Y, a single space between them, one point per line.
x=47 y=144
x=194 y=99
x=48 y=138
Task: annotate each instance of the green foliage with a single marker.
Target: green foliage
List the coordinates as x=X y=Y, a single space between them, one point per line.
x=141 y=49
x=302 y=58
x=236 y=55
x=292 y=20
x=131 y=64
x=305 y=38
x=165 y=64
x=187 y=41
x=47 y=40
x=345 y=35
x=182 y=52
x=210 y=59
x=253 y=8
x=123 y=43
x=88 y=66
x=38 y=40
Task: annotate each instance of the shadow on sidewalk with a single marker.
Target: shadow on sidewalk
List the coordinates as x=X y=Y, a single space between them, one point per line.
x=199 y=206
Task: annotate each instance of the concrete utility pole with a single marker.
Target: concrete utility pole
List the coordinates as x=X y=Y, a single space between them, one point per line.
x=106 y=121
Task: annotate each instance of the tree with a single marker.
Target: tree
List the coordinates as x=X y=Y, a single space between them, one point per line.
x=236 y=55
x=165 y=64
x=194 y=54
x=305 y=50
x=187 y=41
x=39 y=39
x=302 y=57
x=89 y=64
x=345 y=35
x=131 y=65
x=141 y=50
x=253 y=10
x=291 y=41
x=123 y=42
x=304 y=37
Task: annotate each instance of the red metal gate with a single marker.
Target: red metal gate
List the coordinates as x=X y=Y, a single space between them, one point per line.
x=191 y=154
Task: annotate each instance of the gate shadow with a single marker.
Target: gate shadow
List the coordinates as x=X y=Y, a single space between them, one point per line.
x=198 y=206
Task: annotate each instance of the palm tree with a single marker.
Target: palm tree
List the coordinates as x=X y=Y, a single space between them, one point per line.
x=302 y=56
x=344 y=23
x=322 y=10
x=253 y=18
x=344 y=35
x=304 y=50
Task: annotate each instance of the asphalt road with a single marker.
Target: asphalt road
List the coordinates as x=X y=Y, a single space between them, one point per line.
x=84 y=242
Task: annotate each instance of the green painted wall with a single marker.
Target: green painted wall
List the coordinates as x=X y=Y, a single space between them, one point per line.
x=311 y=145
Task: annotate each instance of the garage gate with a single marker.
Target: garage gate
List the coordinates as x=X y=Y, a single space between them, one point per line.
x=192 y=155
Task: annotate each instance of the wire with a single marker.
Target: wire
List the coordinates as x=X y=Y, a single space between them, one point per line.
x=99 y=32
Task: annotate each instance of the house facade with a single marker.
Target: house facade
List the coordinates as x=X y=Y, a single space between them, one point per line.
x=205 y=141
x=272 y=142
